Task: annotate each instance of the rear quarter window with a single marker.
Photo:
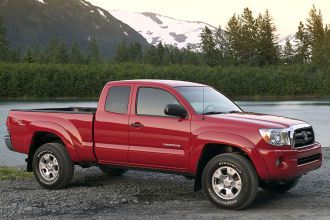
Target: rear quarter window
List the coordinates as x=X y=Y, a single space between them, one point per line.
x=117 y=99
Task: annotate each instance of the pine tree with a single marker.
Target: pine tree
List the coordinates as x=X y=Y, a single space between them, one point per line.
x=243 y=37
x=288 y=52
x=52 y=51
x=121 y=53
x=316 y=34
x=321 y=56
x=302 y=45
x=209 y=47
x=38 y=55
x=267 y=46
x=62 y=53
x=3 y=42
x=326 y=47
x=249 y=37
x=221 y=39
x=76 y=56
x=311 y=38
x=235 y=37
x=151 y=55
x=93 y=52
x=314 y=27
x=135 y=52
x=28 y=57
x=160 y=53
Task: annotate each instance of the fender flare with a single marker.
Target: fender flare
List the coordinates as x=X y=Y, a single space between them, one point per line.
x=225 y=138
x=56 y=129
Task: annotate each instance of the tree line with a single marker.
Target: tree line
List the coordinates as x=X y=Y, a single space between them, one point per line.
x=246 y=40
x=32 y=80
x=253 y=41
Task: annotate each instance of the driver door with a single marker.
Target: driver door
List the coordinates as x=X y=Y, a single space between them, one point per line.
x=157 y=140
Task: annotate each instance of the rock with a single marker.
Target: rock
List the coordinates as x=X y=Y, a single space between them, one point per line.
x=29 y=208
x=124 y=201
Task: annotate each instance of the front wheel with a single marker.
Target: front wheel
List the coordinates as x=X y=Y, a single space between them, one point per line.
x=52 y=166
x=280 y=186
x=230 y=181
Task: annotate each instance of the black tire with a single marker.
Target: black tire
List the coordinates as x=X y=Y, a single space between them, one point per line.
x=111 y=171
x=245 y=173
x=280 y=186
x=65 y=167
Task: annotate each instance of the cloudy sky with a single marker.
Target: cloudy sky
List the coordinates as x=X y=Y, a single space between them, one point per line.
x=286 y=13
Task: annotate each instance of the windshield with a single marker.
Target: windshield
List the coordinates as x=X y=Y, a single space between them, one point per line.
x=214 y=101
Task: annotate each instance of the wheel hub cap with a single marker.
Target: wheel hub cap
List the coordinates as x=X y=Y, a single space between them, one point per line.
x=48 y=167
x=226 y=182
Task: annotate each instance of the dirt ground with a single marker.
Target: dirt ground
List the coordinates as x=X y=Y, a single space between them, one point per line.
x=146 y=195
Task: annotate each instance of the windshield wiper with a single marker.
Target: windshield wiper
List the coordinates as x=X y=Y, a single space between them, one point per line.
x=213 y=113
x=230 y=112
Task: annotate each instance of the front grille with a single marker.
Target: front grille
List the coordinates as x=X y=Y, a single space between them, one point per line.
x=303 y=137
x=309 y=159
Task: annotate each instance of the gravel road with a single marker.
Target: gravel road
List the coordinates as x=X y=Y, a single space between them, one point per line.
x=145 y=195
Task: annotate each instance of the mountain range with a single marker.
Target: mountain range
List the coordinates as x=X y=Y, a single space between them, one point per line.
x=31 y=23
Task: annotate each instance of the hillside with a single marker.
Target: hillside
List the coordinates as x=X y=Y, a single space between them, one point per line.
x=34 y=22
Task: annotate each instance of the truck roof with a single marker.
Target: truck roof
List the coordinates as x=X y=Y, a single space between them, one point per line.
x=171 y=83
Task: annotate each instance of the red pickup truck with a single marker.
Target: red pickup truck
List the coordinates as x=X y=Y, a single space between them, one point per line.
x=168 y=126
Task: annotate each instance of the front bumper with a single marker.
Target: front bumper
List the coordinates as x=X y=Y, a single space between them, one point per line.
x=286 y=164
x=8 y=142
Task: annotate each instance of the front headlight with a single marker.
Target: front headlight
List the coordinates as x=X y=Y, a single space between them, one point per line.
x=276 y=137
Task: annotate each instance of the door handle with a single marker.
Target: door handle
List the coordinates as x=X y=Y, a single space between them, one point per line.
x=137 y=125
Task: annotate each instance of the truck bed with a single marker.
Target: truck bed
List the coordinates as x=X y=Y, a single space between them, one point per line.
x=73 y=125
x=69 y=110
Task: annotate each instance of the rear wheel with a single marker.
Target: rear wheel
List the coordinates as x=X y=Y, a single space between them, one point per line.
x=230 y=181
x=111 y=171
x=280 y=186
x=52 y=166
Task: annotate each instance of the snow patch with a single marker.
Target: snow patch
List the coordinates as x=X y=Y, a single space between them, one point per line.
x=102 y=13
x=84 y=3
x=41 y=1
x=291 y=38
x=125 y=33
x=92 y=11
x=158 y=28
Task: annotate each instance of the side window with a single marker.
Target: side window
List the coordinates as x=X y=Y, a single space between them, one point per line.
x=152 y=101
x=117 y=99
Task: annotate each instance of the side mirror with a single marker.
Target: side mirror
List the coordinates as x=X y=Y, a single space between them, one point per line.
x=175 y=110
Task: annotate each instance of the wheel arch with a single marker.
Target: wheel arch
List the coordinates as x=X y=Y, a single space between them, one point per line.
x=46 y=132
x=211 y=144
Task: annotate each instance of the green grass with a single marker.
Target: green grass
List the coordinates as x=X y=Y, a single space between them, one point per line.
x=7 y=173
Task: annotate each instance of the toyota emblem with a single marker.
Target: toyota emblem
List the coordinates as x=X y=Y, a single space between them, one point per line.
x=305 y=136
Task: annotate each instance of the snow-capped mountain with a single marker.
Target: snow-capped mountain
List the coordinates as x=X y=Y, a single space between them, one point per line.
x=158 y=28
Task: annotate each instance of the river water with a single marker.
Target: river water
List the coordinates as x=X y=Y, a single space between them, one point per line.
x=317 y=113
